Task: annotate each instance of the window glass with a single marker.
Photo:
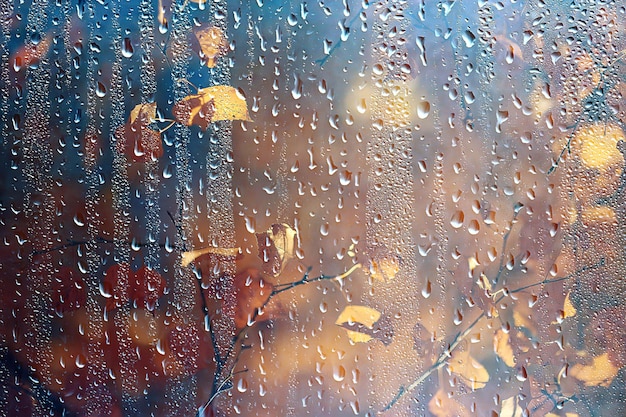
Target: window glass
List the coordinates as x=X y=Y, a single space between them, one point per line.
x=329 y=208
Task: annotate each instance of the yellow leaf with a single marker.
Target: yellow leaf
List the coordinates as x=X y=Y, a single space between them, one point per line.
x=484 y=283
x=363 y=323
x=189 y=257
x=502 y=347
x=510 y=408
x=469 y=369
x=473 y=263
x=568 y=308
x=600 y=372
x=359 y=314
x=384 y=269
x=597 y=145
x=212 y=43
x=211 y=104
x=358 y=337
x=383 y=264
x=143 y=110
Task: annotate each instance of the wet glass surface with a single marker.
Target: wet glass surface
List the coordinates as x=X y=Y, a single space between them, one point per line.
x=330 y=208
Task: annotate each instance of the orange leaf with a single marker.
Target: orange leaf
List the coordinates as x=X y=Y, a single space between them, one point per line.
x=251 y=294
x=600 y=372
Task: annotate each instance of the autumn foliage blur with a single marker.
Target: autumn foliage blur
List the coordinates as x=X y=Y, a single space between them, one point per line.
x=384 y=208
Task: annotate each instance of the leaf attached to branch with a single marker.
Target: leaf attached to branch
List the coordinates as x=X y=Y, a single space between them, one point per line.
x=190 y=256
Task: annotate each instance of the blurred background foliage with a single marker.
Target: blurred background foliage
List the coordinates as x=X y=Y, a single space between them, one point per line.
x=424 y=198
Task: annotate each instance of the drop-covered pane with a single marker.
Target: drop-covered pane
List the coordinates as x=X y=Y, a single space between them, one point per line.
x=330 y=208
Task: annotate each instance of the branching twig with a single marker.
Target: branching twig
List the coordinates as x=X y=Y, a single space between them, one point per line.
x=459 y=337
x=237 y=346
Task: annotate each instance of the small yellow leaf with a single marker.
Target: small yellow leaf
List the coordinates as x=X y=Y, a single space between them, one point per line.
x=484 y=283
x=600 y=372
x=143 y=110
x=473 y=263
x=277 y=246
x=383 y=264
x=510 y=408
x=502 y=347
x=469 y=369
x=384 y=269
x=363 y=323
x=568 y=308
x=359 y=314
x=189 y=257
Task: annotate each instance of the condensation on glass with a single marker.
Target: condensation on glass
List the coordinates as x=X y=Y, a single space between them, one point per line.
x=331 y=208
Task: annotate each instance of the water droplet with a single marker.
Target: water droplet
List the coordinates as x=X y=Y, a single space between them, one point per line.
x=101 y=90
x=457 y=219
x=79 y=219
x=474 y=227
x=242 y=385
x=362 y=106
x=81 y=360
x=127 y=48
x=423 y=109
x=160 y=347
x=250 y=224
x=510 y=55
x=296 y=91
x=469 y=38
x=339 y=373
x=427 y=290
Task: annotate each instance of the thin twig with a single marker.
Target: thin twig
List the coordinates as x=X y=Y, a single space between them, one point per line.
x=459 y=337
x=237 y=346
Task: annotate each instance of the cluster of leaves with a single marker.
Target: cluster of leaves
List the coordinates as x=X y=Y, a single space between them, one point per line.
x=140 y=140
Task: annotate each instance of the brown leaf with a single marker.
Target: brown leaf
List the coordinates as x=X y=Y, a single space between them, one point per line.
x=251 y=296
